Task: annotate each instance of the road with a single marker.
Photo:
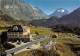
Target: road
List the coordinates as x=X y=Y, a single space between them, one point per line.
x=14 y=50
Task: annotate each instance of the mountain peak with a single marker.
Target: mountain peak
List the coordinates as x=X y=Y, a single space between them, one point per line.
x=59 y=12
x=71 y=20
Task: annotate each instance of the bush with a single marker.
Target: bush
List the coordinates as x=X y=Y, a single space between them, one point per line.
x=36 y=33
x=2 y=49
x=54 y=36
x=8 y=46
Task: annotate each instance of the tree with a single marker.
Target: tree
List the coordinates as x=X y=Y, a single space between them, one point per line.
x=2 y=49
x=54 y=36
x=8 y=46
x=77 y=30
x=36 y=33
x=4 y=37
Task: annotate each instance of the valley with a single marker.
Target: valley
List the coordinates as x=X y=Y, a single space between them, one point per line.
x=39 y=28
x=62 y=42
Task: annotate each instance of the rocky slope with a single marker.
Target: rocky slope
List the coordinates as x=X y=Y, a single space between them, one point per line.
x=21 y=11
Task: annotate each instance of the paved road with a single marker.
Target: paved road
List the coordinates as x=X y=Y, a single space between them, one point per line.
x=14 y=50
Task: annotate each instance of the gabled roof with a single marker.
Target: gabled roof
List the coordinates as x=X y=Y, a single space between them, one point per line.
x=15 y=28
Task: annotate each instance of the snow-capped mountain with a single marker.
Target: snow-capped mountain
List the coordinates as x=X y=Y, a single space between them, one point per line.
x=72 y=20
x=59 y=13
x=21 y=11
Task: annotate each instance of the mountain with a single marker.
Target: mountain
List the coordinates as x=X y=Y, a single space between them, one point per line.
x=5 y=17
x=44 y=22
x=6 y=20
x=55 y=16
x=52 y=19
x=59 y=13
x=71 y=20
x=21 y=11
x=39 y=22
x=39 y=13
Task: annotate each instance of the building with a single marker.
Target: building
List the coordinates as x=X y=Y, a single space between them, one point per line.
x=18 y=33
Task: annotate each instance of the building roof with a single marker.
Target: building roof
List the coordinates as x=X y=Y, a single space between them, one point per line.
x=15 y=28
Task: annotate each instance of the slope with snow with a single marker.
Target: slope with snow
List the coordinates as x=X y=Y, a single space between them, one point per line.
x=71 y=20
x=59 y=13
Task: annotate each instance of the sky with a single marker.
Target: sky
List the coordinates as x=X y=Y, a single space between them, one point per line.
x=49 y=6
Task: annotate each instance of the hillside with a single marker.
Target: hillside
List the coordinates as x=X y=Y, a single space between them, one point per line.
x=44 y=22
x=71 y=20
x=19 y=10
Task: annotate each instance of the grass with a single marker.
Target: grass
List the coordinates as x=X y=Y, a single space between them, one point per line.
x=62 y=47
x=41 y=31
x=68 y=40
x=61 y=50
x=25 y=53
x=36 y=52
x=62 y=41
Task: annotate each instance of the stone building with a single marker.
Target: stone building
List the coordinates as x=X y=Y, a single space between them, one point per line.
x=18 y=33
